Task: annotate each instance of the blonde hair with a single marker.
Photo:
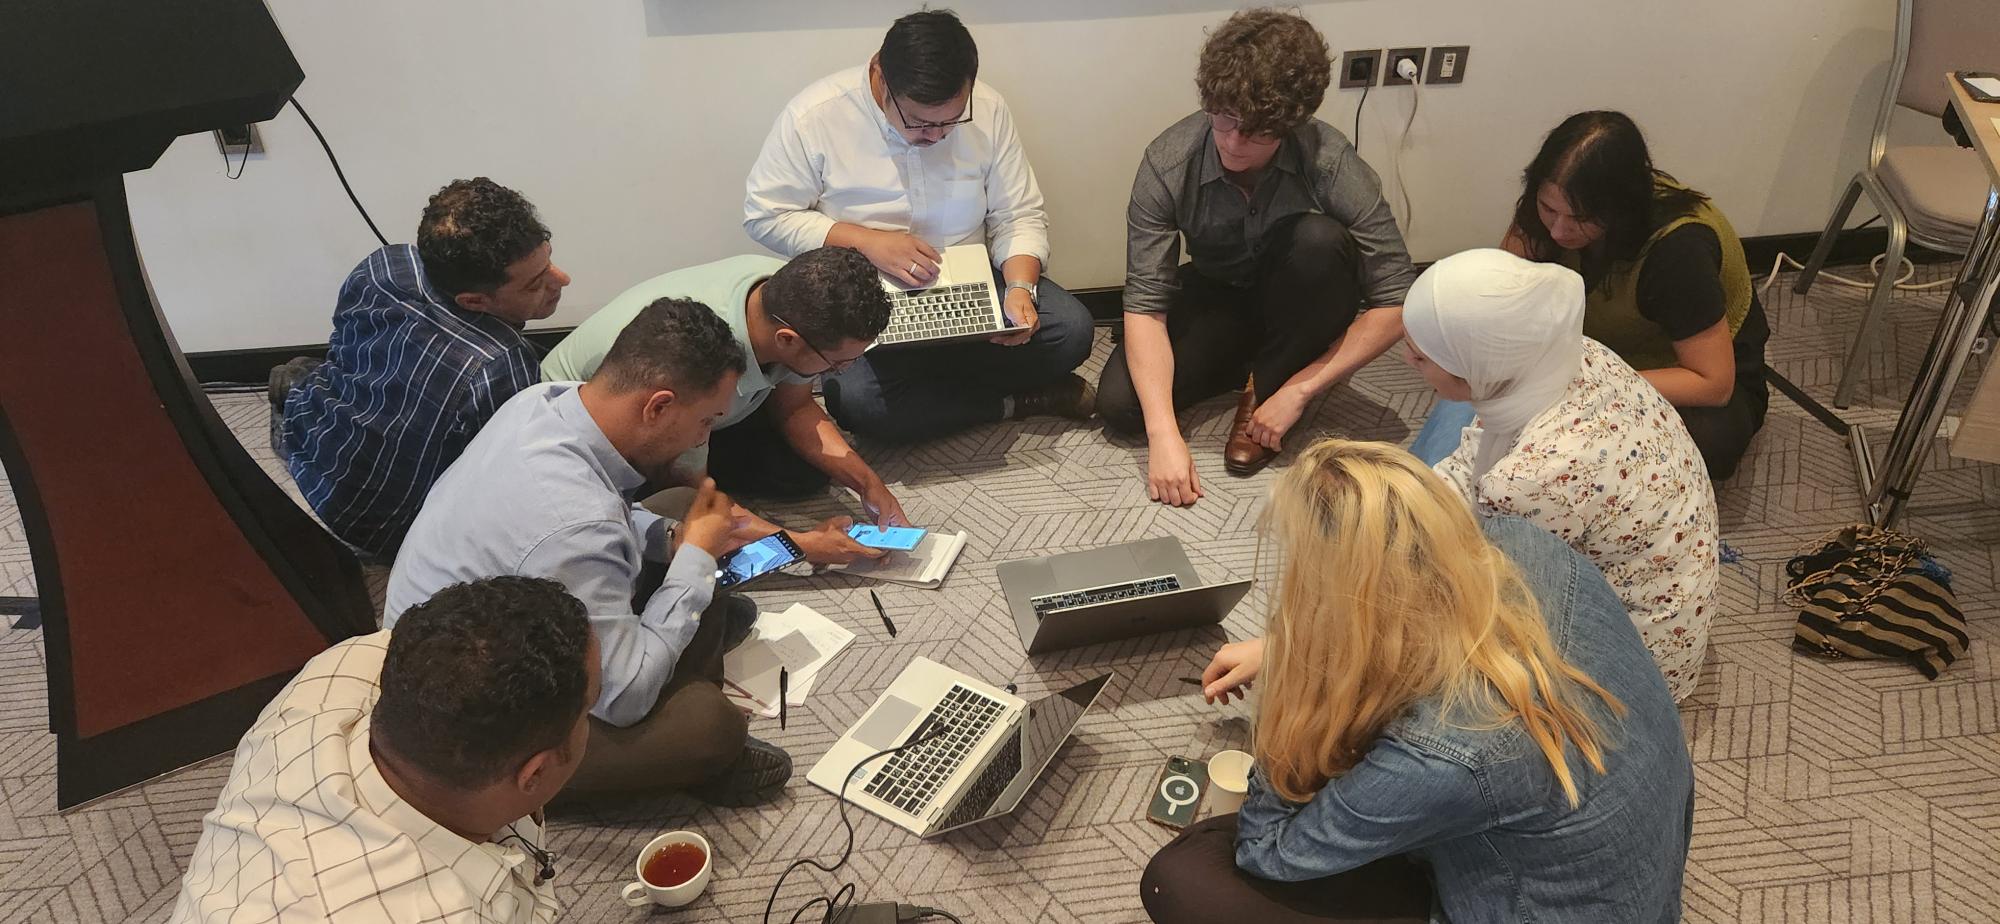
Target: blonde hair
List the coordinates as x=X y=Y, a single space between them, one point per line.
x=1389 y=594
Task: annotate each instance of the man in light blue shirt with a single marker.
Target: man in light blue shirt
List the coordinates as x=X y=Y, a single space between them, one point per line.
x=794 y=321
x=544 y=491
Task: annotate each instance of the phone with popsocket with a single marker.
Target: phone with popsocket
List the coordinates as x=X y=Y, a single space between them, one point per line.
x=1178 y=794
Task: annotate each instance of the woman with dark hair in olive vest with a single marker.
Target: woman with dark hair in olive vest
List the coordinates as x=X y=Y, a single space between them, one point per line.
x=1669 y=289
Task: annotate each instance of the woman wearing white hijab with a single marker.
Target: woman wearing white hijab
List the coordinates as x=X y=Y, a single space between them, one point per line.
x=1570 y=437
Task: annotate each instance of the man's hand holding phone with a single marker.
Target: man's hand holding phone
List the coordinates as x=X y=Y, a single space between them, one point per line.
x=829 y=544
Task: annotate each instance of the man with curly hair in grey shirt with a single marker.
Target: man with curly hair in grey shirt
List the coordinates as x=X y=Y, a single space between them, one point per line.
x=1296 y=269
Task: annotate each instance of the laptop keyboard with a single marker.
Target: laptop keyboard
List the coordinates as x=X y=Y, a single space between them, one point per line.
x=910 y=779
x=939 y=311
x=1091 y=596
x=980 y=795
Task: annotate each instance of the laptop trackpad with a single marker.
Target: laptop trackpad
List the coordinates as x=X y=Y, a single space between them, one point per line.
x=879 y=730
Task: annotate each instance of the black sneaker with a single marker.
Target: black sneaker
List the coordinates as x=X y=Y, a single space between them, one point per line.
x=1071 y=397
x=758 y=775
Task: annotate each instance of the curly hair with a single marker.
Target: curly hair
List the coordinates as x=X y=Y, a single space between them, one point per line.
x=928 y=56
x=674 y=343
x=829 y=295
x=482 y=676
x=472 y=230
x=1267 y=67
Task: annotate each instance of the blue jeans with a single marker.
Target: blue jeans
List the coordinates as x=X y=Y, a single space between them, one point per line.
x=1441 y=433
x=906 y=394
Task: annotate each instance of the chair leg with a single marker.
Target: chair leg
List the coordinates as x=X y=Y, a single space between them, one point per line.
x=1872 y=317
x=1827 y=237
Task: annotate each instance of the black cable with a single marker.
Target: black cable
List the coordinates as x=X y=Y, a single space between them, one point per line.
x=1357 y=118
x=335 y=161
x=844 y=896
x=923 y=913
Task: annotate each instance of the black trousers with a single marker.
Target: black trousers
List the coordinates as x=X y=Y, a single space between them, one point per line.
x=752 y=458
x=1194 y=880
x=1307 y=292
x=1723 y=433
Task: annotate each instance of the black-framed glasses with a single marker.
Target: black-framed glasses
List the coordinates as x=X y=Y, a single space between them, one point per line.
x=831 y=364
x=1226 y=124
x=921 y=126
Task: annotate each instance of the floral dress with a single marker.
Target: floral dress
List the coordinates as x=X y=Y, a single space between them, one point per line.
x=1612 y=471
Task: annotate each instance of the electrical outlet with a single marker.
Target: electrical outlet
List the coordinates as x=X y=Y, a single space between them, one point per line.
x=234 y=140
x=1448 y=64
x=1357 y=68
x=1397 y=55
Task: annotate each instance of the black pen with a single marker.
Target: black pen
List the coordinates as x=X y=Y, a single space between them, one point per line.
x=784 y=693
x=1193 y=680
x=879 y=611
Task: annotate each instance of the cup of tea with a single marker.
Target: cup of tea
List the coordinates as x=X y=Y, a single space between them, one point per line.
x=672 y=871
x=1228 y=781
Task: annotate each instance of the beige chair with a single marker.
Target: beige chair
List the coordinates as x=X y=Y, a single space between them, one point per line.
x=1928 y=195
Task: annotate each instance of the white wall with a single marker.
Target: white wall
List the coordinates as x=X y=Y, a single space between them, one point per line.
x=631 y=123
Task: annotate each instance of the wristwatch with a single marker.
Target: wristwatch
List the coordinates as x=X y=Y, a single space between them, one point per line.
x=1032 y=288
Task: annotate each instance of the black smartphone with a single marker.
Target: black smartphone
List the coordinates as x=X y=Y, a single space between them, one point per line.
x=1178 y=794
x=757 y=559
x=1983 y=87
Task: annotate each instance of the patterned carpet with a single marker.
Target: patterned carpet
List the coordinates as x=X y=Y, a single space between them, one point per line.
x=1852 y=792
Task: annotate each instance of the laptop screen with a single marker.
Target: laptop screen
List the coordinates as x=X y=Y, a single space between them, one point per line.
x=1048 y=723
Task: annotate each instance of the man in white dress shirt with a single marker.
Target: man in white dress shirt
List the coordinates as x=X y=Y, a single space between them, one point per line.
x=900 y=159
x=401 y=777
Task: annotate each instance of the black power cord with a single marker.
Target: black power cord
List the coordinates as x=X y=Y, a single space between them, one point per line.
x=335 y=161
x=1357 y=118
x=841 y=902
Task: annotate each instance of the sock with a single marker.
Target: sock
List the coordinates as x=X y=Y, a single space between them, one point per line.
x=1007 y=408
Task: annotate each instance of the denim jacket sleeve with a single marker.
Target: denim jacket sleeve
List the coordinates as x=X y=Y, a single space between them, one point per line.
x=1396 y=800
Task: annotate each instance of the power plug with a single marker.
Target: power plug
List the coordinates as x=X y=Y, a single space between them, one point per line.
x=1407 y=69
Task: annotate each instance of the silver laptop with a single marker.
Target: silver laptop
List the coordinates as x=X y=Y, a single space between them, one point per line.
x=1116 y=592
x=960 y=305
x=994 y=748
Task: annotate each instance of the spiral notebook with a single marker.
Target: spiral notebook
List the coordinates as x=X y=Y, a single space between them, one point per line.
x=924 y=566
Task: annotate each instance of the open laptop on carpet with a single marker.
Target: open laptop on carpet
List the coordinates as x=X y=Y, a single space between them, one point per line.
x=994 y=747
x=1116 y=592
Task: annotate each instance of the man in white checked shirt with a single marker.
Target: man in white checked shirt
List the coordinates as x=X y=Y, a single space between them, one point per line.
x=401 y=777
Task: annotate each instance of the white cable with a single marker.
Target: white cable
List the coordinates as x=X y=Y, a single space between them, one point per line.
x=1874 y=268
x=1396 y=159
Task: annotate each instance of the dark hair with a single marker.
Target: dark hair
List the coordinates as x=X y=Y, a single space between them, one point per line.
x=673 y=343
x=1268 y=67
x=1599 y=160
x=482 y=676
x=472 y=231
x=928 y=56
x=829 y=295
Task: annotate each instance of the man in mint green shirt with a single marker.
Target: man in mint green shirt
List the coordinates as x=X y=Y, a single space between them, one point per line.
x=795 y=321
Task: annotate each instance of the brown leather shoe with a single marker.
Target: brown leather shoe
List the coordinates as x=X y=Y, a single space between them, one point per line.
x=1244 y=456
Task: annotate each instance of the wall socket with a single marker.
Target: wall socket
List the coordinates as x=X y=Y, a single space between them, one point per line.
x=239 y=140
x=1358 y=68
x=1448 y=64
x=1389 y=76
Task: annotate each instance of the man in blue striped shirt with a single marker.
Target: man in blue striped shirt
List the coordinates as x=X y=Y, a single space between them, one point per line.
x=426 y=346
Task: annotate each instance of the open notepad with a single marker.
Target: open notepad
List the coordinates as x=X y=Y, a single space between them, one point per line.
x=923 y=566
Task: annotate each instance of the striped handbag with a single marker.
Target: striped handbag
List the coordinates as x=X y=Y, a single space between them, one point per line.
x=1864 y=592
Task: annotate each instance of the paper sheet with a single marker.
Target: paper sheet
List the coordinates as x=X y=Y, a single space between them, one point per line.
x=800 y=640
x=924 y=566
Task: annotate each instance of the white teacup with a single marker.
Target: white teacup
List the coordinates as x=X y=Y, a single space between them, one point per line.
x=1228 y=781
x=642 y=893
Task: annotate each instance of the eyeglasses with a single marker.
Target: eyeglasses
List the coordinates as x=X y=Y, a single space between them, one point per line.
x=920 y=126
x=1227 y=124
x=832 y=365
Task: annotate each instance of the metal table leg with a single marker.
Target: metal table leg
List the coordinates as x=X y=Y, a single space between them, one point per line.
x=1885 y=490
